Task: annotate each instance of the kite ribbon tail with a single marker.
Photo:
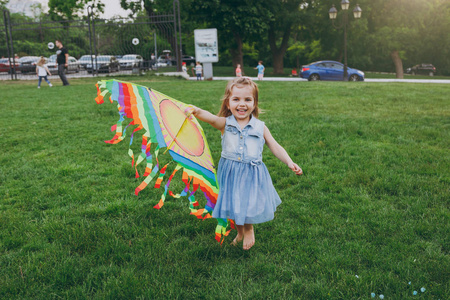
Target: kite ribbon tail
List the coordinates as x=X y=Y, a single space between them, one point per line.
x=221 y=230
x=166 y=187
x=150 y=176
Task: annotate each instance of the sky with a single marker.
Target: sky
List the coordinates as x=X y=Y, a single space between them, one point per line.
x=112 y=7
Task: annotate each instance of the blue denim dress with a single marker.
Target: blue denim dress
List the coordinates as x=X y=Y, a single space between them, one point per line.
x=246 y=193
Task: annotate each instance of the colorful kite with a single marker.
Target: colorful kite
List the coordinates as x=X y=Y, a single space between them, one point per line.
x=166 y=125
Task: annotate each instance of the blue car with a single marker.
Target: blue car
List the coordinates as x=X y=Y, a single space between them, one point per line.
x=329 y=70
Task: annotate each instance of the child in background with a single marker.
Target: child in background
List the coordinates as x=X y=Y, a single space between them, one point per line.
x=183 y=67
x=260 y=69
x=238 y=71
x=199 y=71
x=42 y=71
x=246 y=193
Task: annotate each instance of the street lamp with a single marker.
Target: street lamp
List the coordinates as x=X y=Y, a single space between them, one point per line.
x=333 y=15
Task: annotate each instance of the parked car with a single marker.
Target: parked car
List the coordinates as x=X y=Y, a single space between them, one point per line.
x=105 y=63
x=426 y=69
x=6 y=67
x=168 y=60
x=84 y=60
x=189 y=60
x=73 y=66
x=27 y=64
x=130 y=61
x=161 y=61
x=329 y=70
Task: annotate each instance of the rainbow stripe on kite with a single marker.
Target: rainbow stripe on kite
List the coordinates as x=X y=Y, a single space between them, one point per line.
x=165 y=125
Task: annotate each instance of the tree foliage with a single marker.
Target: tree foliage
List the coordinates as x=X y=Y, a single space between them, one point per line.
x=71 y=9
x=287 y=33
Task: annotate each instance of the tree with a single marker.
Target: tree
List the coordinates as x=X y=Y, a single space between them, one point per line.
x=285 y=15
x=3 y=4
x=238 y=21
x=70 y=9
x=394 y=28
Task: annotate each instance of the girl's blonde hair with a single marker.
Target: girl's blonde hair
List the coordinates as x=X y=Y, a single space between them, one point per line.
x=41 y=61
x=238 y=82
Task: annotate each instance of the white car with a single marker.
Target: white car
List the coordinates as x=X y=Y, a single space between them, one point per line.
x=86 y=59
x=131 y=61
x=73 y=66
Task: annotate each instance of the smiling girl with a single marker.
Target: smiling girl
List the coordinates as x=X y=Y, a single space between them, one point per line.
x=246 y=194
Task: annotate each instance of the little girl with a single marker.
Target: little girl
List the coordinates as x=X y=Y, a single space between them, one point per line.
x=41 y=71
x=238 y=71
x=246 y=192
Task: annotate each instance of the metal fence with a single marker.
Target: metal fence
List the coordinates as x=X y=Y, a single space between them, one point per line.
x=95 y=45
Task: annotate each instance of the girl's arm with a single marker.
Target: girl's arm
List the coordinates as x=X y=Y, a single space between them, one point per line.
x=280 y=153
x=48 y=71
x=206 y=116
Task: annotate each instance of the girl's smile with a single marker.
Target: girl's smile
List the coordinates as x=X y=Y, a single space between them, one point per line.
x=241 y=103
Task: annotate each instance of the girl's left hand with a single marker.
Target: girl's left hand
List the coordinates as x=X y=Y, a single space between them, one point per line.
x=295 y=168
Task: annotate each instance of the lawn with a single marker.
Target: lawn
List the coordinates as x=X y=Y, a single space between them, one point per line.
x=223 y=71
x=370 y=214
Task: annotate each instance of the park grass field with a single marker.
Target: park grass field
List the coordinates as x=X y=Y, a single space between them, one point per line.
x=228 y=71
x=369 y=215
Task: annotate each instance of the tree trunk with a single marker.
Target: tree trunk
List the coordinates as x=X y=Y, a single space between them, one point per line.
x=237 y=53
x=278 y=52
x=398 y=64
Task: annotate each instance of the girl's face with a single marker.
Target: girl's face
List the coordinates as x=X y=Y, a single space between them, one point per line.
x=241 y=103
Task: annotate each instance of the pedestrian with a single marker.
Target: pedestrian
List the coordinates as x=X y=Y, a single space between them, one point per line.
x=183 y=67
x=294 y=72
x=199 y=71
x=42 y=71
x=238 y=71
x=260 y=68
x=62 y=59
x=246 y=194
x=153 y=60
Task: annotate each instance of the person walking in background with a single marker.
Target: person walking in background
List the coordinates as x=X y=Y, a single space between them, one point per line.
x=238 y=71
x=246 y=194
x=42 y=71
x=199 y=71
x=260 y=68
x=62 y=59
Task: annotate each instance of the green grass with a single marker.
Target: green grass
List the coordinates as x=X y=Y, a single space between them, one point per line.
x=373 y=202
x=223 y=71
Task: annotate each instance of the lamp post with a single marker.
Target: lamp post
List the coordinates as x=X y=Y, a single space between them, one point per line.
x=333 y=14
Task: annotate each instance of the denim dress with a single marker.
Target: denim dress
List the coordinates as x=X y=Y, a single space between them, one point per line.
x=246 y=193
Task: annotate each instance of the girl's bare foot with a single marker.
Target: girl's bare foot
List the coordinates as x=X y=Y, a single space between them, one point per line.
x=237 y=239
x=249 y=236
x=240 y=235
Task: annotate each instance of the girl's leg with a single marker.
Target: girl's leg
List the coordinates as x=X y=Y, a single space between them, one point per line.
x=48 y=81
x=39 y=82
x=249 y=236
x=240 y=235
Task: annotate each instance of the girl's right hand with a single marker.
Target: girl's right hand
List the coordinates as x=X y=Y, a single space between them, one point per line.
x=190 y=110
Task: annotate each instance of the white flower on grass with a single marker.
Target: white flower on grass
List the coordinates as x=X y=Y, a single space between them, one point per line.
x=372 y=295
x=422 y=290
x=415 y=293
x=381 y=296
